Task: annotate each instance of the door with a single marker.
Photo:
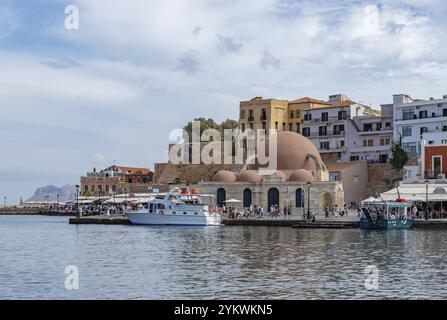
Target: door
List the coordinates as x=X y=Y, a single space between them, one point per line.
x=273 y=197
x=437 y=165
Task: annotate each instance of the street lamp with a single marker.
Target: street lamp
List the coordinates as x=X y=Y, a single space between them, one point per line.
x=308 y=200
x=77 y=202
x=426 y=199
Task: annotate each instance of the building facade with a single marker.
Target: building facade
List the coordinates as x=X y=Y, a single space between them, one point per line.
x=116 y=180
x=418 y=120
x=370 y=137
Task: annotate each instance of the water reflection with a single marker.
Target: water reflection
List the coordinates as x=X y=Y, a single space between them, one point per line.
x=216 y=263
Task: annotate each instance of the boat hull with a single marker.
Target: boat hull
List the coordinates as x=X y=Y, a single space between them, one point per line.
x=386 y=224
x=173 y=220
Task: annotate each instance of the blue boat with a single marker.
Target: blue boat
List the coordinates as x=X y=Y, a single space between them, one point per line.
x=386 y=216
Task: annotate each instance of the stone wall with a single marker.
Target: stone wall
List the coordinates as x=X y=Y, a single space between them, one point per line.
x=381 y=178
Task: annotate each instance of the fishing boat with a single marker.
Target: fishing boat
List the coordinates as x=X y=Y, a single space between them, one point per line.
x=386 y=215
x=178 y=208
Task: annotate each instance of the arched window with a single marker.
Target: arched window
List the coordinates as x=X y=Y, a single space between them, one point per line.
x=247 y=198
x=299 y=198
x=221 y=197
x=273 y=197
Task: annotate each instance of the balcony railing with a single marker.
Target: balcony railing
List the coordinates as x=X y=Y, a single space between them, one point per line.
x=435 y=174
x=328 y=119
x=327 y=134
x=416 y=117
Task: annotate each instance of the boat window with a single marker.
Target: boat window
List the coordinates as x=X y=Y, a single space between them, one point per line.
x=161 y=206
x=184 y=213
x=195 y=213
x=151 y=207
x=173 y=212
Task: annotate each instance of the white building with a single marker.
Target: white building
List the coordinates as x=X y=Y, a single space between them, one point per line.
x=327 y=126
x=418 y=120
x=370 y=137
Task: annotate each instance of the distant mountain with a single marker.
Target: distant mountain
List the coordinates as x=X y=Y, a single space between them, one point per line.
x=66 y=193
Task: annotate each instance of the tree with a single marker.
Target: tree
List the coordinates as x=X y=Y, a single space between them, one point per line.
x=211 y=124
x=400 y=156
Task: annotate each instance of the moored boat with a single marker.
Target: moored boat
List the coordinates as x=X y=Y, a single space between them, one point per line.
x=386 y=215
x=181 y=208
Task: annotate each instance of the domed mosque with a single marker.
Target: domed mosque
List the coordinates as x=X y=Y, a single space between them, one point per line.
x=299 y=170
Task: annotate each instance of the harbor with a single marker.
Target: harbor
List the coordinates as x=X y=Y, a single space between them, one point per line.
x=343 y=223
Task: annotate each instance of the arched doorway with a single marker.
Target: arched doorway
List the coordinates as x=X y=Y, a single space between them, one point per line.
x=299 y=198
x=327 y=201
x=221 y=197
x=247 y=198
x=273 y=197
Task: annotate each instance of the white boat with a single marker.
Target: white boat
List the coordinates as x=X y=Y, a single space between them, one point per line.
x=177 y=208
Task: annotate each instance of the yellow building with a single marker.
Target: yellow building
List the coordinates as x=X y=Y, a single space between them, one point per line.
x=282 y=115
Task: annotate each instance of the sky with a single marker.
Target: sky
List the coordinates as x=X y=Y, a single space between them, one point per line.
x=112 y=90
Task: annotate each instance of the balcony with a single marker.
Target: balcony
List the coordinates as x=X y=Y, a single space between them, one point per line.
x=329 y=134
x=387 y=130
x=328 y=119
x=436 y=175
x=416 y=117
x=333 y=149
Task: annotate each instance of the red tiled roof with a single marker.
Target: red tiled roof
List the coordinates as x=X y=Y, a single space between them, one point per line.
x=346 y=103
x=309 y=100
x=134 y=170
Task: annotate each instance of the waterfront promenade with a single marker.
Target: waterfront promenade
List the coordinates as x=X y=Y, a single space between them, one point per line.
x=349 y=222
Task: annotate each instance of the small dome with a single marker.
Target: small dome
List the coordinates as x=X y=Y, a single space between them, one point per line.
x=224 y=176
x=281 y=174
x=249 y=176
x=302 y=175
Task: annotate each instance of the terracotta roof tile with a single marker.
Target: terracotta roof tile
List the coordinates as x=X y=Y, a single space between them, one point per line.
x=309 y=100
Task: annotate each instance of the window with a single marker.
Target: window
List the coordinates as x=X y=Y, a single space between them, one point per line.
x=290 y=127
x=444 y=112
x=107 y=188
x=424 y=130
x=355 y=158
x=423 y=114
x=365 y=143
x=406 y=131
x=323 y=131
x=342 y=115
x=368 y=127
x=283 y=126
x=388 y=125
x=306 y=132
x=382 y=142
x=410 y=148
x=113 y=188
x=291 y=114
x=342 y=143
x=324 y=116
x=252 y=126
x=243 y=127
x=407 y=114
x=247 y=198
x=299 y=198
x=324 y=145
x=264 y=115
x=339 y=129
x=370 y=143
x=276 y=125
x=379 y=126
x=383 y=158
x=264 y=125
x=242 y=114
x=85 y=188
x=387 y=141
x=307 y=117
x=93 y=188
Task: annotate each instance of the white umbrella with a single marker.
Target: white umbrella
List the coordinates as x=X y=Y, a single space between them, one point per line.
x=233 y=201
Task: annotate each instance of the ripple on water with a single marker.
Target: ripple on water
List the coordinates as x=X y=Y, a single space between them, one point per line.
x=126 y=262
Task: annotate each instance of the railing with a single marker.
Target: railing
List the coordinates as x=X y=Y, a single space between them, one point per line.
x=333 y=118
x=435 y=174
x=327 y=134
x=416 y=117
